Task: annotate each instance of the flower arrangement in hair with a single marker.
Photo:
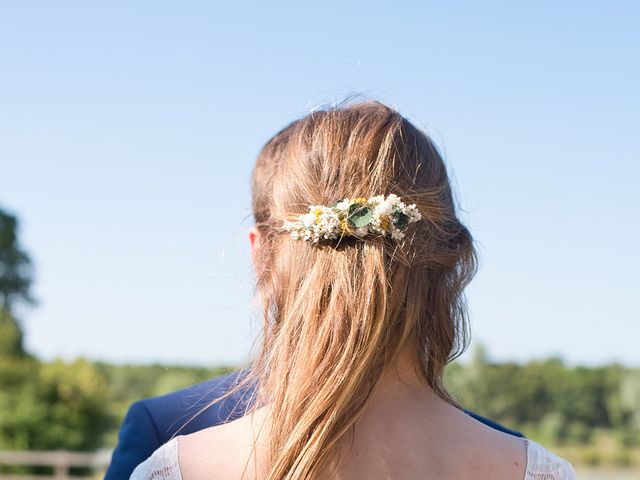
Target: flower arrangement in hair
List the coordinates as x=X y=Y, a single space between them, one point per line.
x=357 y=217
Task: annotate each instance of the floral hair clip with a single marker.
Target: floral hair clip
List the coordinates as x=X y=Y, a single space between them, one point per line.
x=357 y=217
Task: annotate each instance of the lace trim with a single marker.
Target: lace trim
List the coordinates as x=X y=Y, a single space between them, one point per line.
x=543 y=464
x=162 y=465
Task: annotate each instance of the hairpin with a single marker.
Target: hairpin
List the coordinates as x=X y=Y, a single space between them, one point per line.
x=357 y=217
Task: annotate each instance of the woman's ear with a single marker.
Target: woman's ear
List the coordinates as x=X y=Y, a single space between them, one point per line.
x=254 y=242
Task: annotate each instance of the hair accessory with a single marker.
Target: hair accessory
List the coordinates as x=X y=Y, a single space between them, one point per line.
x=357 y=217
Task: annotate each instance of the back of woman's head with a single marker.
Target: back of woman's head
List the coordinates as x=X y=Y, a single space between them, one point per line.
x=337 y=313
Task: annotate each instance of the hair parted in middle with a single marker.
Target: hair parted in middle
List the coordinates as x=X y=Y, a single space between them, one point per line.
x=335 y=316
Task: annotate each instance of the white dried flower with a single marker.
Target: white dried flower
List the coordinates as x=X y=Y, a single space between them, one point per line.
x=343 y=205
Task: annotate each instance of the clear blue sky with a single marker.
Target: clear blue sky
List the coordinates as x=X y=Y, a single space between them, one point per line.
x=128 y=131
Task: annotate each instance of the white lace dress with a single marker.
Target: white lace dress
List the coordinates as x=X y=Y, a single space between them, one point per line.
x=541 y=464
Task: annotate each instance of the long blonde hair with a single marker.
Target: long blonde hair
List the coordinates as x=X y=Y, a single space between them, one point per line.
x=336 y=316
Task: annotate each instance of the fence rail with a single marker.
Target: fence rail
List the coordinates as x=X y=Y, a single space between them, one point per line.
x=59 y=461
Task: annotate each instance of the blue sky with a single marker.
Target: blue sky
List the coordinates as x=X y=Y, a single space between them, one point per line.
x=128 y=131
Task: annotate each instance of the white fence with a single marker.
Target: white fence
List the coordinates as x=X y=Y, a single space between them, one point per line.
x=60 y=461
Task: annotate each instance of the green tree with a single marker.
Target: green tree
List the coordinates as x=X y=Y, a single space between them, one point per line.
x=11 y=336
x=629 y=430
x=58 y=406
x=16 y=268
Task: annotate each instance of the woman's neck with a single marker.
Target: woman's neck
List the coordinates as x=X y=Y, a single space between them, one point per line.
x=400 y=380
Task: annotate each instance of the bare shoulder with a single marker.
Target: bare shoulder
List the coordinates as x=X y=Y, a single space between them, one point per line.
x=225 y=449
x=536 y=460
x=496 y=454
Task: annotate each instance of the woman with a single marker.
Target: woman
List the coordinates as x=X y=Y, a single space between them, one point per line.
x=361 y=263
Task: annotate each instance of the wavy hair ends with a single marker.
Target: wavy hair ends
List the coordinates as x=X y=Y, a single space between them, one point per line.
x=335 y=316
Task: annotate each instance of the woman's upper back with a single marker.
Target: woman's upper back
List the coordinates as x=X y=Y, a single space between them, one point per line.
x=387 y=447
x=541 y=464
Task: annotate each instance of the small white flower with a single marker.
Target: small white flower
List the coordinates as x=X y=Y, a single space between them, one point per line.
x=414 y=213
x=383 y=208
x=343 y=205
x=393 y=199
x=397 y=234
x=308 y=219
